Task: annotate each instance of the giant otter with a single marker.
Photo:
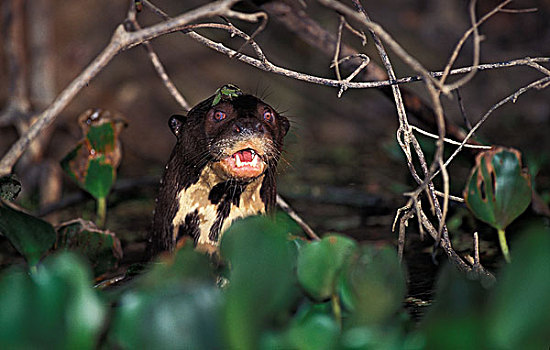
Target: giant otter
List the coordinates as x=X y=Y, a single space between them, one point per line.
x=222 y=168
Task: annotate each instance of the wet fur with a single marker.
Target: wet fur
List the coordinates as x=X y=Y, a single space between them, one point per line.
x=193 y=187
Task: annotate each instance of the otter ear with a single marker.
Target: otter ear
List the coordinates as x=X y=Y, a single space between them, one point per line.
x=176 y=123
x=285 y=124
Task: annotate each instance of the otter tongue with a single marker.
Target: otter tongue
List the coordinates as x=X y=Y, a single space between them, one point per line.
x=245 y=155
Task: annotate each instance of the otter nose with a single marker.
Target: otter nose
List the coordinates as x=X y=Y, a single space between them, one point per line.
x=248 y=126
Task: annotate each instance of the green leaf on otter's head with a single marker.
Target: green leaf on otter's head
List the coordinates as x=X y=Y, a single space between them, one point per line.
x=226 y=92
x=498 y=190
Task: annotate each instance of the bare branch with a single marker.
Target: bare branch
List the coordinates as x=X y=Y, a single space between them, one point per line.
x=120 y=41
x=403 y=223
x=385 y=36
x=477 y=41
x=336 y=59
x=451 y=197
x=157 y=64
x=462 y=109
x=526 y=10
x=449 y=141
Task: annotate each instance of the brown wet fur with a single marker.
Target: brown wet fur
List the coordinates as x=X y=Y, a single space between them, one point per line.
x=199 y=196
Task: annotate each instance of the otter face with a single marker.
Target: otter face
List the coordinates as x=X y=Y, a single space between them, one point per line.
x=242 y=135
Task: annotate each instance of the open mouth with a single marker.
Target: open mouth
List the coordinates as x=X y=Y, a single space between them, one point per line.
x=246 y=163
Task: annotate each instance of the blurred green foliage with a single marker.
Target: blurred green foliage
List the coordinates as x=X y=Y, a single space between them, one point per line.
x=320 y=264
x=52 y=306
x=30 y=236
x=266 y=295
x=101 y=248
x=35 y=239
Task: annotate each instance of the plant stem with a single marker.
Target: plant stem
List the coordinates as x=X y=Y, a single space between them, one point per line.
x=336 y=309
x=101 y=212
x=504 y=245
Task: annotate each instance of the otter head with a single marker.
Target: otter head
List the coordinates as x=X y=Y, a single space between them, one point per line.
x=240 y=135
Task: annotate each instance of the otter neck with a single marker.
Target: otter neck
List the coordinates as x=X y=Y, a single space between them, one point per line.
x=207 y=208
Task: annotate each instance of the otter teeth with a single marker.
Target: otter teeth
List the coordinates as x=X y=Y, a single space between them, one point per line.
x=253 y=162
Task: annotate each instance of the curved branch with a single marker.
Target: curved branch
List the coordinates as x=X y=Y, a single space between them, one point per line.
x=120 y=41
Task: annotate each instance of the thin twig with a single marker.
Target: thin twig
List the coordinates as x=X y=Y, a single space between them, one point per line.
x=358 y=33
x=336 y=58
x=365 y=60
x=476 y=250
x=463 y=266
x=286 y=208
x=526 y=10
x=133 y=25
x=451 y=197
x=449 y=141
x=403 y=223
x=462 y=109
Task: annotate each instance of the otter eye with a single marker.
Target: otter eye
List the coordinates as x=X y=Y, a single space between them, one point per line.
x=219 y=116
x=268 y=116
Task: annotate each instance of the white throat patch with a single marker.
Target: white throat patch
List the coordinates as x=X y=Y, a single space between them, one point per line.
x=195 y=198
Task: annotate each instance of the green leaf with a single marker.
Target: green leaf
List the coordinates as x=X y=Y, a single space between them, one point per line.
x=383 y=336
x=498 y=190
x=456 y=318
x=74 y=172
x=101 y=248
x=100 y=178
x=102 y=138
x=176 y=304
x=519 y=312
x=179 y=317
x=320 y=263
x=31 y=236
x=93 y=162
x=54 y=307
x=261 y=279
x=374 y=285
x=10 y=187
x=226 y=92
x=314 y=328
x=217 y=99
